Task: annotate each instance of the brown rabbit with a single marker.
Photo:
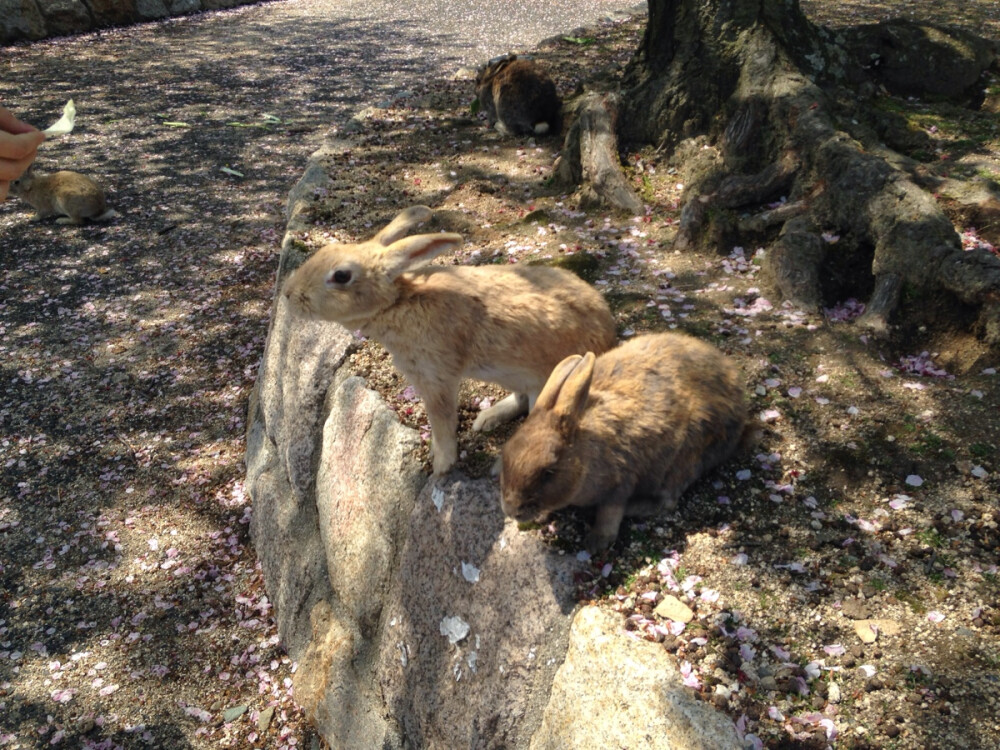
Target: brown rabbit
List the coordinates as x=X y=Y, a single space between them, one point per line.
x=69 y=195
x=518 y=97
x=626 y=432
x=504 y=324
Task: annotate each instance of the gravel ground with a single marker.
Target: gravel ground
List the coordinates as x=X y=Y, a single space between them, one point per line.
x=132 y=613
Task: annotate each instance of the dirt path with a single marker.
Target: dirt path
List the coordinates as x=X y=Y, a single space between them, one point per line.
x=131 y=611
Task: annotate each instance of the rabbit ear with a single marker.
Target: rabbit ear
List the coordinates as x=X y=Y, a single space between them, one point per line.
x=410 y=252
x=572 y=398
x=565 y=392
x=403 y=223
x=550 y=391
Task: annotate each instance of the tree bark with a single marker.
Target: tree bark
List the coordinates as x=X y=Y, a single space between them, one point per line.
x=590 y=156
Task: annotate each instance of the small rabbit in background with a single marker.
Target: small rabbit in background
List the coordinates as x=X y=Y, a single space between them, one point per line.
x=504 y=324
x=69 y=195
x=626 y=432
x=518 y=97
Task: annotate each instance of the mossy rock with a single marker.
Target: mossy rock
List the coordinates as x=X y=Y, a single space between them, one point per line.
x=584 y=265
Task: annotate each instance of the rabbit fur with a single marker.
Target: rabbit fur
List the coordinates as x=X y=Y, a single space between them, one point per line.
x=518 y=97
x=69 y=195
x=626 y=432
x=504 y=324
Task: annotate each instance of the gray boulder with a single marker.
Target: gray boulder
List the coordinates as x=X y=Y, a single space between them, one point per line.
x=418 y=615
x=110 y=12
x=150 y=10
x=66 y=16
x=20 y=19
x=615 y=691
x=183 y=7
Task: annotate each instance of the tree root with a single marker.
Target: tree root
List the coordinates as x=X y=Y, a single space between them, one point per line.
x=590 y=156
x=847 y=196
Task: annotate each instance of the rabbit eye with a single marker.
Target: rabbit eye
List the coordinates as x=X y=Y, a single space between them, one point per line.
x=340 y=276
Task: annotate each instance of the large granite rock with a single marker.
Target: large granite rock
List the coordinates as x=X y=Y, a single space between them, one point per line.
x=419 y=617
x=615 y=691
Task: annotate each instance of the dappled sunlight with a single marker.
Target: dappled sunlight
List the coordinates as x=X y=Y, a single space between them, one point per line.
x=134 y=609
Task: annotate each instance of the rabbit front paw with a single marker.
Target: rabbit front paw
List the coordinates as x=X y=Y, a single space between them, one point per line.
x=598 y=541
x=605 y=529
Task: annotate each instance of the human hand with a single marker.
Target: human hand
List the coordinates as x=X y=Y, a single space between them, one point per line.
x=18 y=143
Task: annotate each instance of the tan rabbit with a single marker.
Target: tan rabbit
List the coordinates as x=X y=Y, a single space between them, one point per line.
x=518 y=97
x=70 y=195
x=504 y=324
x=626 y=432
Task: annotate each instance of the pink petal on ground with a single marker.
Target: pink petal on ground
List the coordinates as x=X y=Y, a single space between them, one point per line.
x=831 y=729
x=899 y=502
x=690 y=678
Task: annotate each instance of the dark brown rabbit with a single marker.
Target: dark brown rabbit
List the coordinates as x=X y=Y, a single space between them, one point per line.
x=626 y=432
x=518 y=97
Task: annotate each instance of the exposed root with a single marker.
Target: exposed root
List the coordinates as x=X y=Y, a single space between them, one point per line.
x=590 y=156
x=787 y=174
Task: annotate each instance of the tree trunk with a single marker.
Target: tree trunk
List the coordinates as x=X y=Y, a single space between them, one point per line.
x=766 y=98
